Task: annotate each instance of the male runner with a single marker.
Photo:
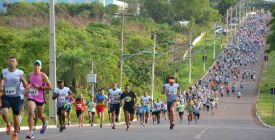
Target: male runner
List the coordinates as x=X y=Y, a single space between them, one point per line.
x=10 y=80
x=172 y=91
x=61 y=94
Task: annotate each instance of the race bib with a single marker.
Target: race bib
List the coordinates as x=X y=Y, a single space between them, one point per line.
x=10 y=90
x=62 y=99
x=33 y=92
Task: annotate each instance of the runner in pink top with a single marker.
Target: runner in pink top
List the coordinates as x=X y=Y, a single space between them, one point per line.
x=34 y=94
x=38 y=83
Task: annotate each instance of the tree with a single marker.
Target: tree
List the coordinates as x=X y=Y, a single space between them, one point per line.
x=111 y=9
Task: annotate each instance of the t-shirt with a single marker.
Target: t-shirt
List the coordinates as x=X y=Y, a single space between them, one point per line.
x=190 y=108
x=91 y=106
x=180 y=107
x=128 y=98
x=114 y=95
x=145 y=100
x=12 y=83
x=197 y=109
x=157 y=106
x=100 y=98
x=79 y=104
x=171 y=91
x=63 y=94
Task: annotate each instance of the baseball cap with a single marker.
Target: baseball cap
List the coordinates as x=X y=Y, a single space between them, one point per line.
x=37 y=62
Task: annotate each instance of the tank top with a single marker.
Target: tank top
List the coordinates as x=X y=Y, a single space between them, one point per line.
x=35 y=94
x=79 y=105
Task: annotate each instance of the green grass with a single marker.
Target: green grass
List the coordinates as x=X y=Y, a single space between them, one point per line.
x=265 y=98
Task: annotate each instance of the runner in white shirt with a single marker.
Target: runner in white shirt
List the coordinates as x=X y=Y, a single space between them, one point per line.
x=61 y=94
x=145 y=105
x=172 y=91
x=10 y=82
x=114 y=98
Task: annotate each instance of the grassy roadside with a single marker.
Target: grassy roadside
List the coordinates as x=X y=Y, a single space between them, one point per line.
x=264 y=103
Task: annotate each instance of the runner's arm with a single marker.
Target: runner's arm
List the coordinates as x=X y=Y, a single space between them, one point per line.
x=55 y=95
x=48 y=83
x=23 y=80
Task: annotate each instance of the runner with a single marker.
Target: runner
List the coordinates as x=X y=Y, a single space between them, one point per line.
x=156 y=111
x=61 y=94
x=180 y=110
x=164 y=109
x=172 y=91
x=145 y=102
x=197 y=112
x=190 y=109
x=239 y=95
x=68 y=106
x=101 y=101
x=10 y=81
x=38 y=83
x=91 y=110
x=139 y=113
x=79 y=108
x=130 y=99
x=114 y=98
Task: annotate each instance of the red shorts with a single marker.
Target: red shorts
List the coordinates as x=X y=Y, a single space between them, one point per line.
x=100 y=108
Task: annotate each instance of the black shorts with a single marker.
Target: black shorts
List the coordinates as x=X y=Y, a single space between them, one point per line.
x=37 y=103
x=156 y=113
x=78 y=113
x=14 y=103
x=129 y=109
x=169 y=104
x=114 y=107
x=22 y=105
x=60 y=109
x=181 y=113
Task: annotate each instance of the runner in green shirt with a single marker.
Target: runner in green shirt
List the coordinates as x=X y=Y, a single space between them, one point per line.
x=180 y=109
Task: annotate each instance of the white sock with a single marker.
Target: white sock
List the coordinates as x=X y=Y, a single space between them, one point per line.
x=20 y=119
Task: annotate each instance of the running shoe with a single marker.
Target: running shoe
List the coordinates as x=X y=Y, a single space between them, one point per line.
x=30 y=135
x=14 y=136
x=44 y=127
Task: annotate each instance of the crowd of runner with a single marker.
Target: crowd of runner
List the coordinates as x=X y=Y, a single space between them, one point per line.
x=233 y=67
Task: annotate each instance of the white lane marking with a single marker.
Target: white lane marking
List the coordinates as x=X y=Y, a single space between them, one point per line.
x=201 y=133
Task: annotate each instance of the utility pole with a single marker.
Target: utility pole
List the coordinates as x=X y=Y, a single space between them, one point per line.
x=204 y=59
x=236 y=17
x=153 y=67
x=214 y=46
x=174 y=64
x=52 y=66
x=190 y=59
x=121 y=52
x=93 y=84
x=227 y=19
x=231 y=16
x=240 y=12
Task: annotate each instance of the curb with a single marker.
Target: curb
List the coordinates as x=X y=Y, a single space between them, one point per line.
x=55 y=126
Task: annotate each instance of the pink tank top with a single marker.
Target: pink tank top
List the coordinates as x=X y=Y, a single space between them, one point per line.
x=37 y=95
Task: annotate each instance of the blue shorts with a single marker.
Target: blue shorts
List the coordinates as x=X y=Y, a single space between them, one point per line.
x=145 y=109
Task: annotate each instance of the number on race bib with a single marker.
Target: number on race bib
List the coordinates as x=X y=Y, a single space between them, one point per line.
x=10 y=90
x=33 y=92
